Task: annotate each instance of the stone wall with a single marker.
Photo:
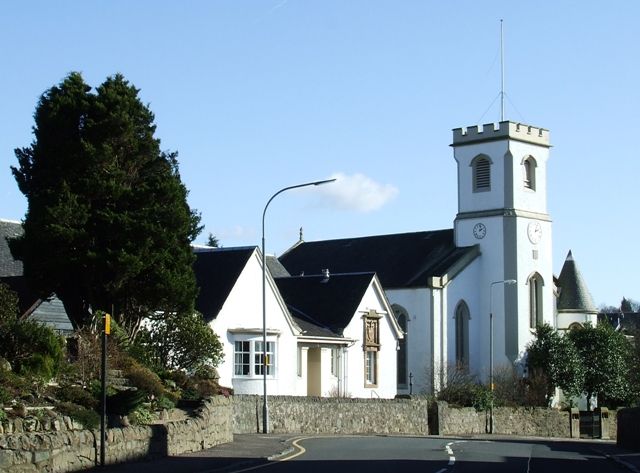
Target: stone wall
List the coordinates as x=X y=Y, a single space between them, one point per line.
x=31 y=424
x=532 y=421
x=311 y=415
x=73 y=450
x=629 y=428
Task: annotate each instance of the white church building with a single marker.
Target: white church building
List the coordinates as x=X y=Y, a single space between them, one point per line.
x=497 y=259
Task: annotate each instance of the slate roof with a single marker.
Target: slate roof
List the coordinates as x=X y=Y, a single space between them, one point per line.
x=400 y=260
x=217 y=271
x=8 y=265
x=324 y=306
x=275 y=267
x=574 y=294
x=626 y=321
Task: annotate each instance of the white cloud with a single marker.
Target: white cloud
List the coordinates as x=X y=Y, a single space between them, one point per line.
x=357 y=192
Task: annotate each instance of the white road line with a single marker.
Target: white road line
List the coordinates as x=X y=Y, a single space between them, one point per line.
x=452 y=461
x=441 y=470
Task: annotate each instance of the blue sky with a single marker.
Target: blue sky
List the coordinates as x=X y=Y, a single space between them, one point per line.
x=258 y=95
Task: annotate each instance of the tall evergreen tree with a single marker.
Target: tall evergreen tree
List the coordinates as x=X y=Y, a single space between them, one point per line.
x=108 y=223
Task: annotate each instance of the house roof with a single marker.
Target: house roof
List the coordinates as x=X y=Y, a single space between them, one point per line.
x=276 y=269
x=324 y=306
x=627 y=321
x=8 y=265
x=574 y=294
x=400 y=260
x=217 y=271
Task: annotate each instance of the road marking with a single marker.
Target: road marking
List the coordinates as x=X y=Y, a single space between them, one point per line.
x=301 y=450
x=441 y=470
x=452 y=459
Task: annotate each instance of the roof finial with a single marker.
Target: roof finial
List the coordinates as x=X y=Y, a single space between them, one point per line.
x=301 y=238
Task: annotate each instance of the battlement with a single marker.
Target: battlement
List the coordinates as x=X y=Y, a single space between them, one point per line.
x=504 y=130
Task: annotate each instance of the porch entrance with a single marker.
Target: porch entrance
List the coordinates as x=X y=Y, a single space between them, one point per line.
x=314 y=372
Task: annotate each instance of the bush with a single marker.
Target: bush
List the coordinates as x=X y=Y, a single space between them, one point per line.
x=31 y=348
x=141 y=415
x=144 y=379
x=163 y=402
x=77 y=395
x=89 y=418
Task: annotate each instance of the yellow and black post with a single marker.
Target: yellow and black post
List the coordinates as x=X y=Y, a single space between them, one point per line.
x=103 y=414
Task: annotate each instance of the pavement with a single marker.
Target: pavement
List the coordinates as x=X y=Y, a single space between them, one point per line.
x=248 y=451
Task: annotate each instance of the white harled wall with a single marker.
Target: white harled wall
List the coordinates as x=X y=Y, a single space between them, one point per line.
x=241 y=319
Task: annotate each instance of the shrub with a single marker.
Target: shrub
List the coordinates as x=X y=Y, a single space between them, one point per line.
x=144 y=379
x=141 y=415
x=89 y=418
x=78 y=395
x=164 y=402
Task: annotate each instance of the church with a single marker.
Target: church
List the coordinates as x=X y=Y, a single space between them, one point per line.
x=471 y=296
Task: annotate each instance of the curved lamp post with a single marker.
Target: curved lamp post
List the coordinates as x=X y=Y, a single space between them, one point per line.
x=505 y=282
x=265 y=361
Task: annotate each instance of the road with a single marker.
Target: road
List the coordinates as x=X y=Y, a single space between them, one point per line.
x=376 y=454
x=435 y=455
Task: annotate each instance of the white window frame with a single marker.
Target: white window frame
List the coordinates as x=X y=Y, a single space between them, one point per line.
x=251 y=360
x=371 y=368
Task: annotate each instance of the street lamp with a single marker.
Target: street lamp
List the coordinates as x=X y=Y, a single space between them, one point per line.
x=505 y=282
x=265 y=409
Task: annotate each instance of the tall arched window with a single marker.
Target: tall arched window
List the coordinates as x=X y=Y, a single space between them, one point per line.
x=481 y=165
x=462 y=335
x=535 y=300
x=402 y=317
x=529 y=170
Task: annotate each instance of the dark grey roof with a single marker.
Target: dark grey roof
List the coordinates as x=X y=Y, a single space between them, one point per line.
x=628 y=322
x=275 y=267
x=8 y=265
x=324 y=306
x=216 y=272
x=400 y=260
x=574 y=294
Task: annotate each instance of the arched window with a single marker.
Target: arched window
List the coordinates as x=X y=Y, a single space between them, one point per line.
x=462 y=335
x=481 y=165
x=529 y=168
x=535 y=300
x=403 y=318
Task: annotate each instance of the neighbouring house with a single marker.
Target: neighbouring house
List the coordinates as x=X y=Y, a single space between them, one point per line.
x=333 y=335
x=49 y=311
x=449 y=287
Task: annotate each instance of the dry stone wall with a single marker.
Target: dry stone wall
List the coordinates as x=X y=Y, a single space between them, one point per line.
x=528 y=421
x=311 y=415
x=73 y=450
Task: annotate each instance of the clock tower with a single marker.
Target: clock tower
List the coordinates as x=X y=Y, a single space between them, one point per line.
x=502 y=208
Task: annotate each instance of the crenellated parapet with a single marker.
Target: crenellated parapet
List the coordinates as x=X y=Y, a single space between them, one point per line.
x=500 y=131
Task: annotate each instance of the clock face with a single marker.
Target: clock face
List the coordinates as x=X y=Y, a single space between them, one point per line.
x=479 y=231
x=534 y=232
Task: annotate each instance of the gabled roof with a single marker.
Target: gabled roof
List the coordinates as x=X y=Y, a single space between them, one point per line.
x=400 y=260
x=8 y=265
x=275 y=267
x=321 y=305
x=574 y=294
x=217 y=271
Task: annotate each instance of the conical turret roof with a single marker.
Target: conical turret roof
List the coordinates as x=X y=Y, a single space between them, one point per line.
x=574 y=294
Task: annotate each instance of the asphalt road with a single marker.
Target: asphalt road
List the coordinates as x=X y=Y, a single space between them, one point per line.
x=374 y=454
x=436 y=455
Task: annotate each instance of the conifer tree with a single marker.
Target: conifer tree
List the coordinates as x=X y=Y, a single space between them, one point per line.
x=108 y=224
